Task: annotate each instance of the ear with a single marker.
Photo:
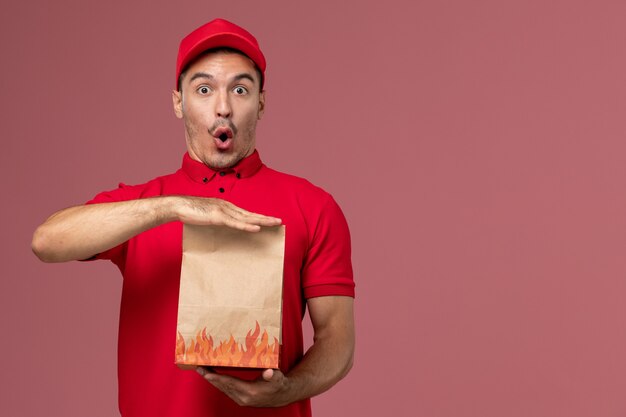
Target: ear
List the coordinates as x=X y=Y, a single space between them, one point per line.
x=261 y=105
x=177 y=101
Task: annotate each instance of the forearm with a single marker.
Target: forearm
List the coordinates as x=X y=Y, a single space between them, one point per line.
x=323 y=365
x=81 y=232
x=330 y=357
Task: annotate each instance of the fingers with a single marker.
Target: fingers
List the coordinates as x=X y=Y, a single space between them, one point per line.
x=268 y=374
x=213 y=211
x=236 y=223
x=245 y=223
x=275 y=376
x=250 y=217
x=272 y=375
x=220 y=381
x=236 y=389
x=264 y=392
x=238 y=216
x=203 y=370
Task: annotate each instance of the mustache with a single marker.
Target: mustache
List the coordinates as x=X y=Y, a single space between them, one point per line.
x=223 y=123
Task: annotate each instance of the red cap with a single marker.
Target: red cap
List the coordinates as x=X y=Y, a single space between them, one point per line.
x=215 y=34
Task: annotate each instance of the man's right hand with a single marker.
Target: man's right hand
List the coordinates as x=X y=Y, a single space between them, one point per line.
x=81 y=232
x=207 y=211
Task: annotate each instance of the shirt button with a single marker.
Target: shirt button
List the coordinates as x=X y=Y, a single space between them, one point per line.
x=221 y=190
x=238 y=175
x=222 y=173
x=205 y=179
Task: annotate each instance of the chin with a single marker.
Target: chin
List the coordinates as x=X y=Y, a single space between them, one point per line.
x=222 y=161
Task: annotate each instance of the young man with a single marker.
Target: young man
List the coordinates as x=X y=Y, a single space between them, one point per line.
x=219 y=96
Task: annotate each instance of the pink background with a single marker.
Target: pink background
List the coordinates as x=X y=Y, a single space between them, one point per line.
x=477 y=149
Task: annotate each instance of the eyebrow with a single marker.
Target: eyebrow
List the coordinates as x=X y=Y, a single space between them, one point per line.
x=237 y=77
x=201 y=75
x=244 y=76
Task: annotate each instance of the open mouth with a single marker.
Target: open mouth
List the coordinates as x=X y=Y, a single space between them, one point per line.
x=223 y=133
x=223 y=138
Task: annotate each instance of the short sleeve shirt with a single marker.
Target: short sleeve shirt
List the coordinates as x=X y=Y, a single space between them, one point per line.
x=317 y=263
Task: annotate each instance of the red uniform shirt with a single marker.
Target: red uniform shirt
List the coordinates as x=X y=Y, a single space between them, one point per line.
x=317 y=263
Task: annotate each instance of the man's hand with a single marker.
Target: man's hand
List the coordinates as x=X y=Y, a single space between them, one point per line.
x=270 y=390
x=215 y=211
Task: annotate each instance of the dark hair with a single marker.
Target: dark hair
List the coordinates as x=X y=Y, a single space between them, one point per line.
x=225 y=50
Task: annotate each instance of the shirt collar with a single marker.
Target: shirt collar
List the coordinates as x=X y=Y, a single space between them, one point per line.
x=201 y=173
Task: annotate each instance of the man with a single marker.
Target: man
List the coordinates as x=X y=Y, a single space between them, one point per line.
x=219 y=96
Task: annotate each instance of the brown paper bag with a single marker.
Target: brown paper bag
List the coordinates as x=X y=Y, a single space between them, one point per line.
x=230 y=302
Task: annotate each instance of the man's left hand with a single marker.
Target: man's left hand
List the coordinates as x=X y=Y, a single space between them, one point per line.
x=270 y=390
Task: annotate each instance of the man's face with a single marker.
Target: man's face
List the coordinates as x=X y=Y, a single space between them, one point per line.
x=220 y=104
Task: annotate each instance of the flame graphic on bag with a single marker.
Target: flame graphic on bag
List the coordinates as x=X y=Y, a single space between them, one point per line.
x=203 y=350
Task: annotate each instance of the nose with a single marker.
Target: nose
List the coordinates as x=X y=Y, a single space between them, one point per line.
x=222 y=107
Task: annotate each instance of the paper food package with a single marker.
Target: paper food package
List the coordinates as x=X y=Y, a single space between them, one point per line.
x=230 y=302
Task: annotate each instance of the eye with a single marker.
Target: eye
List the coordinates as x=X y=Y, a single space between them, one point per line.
x=203 y=89
x=240 y=90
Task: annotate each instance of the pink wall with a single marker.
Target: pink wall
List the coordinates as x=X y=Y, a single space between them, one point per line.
x=477 y=148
